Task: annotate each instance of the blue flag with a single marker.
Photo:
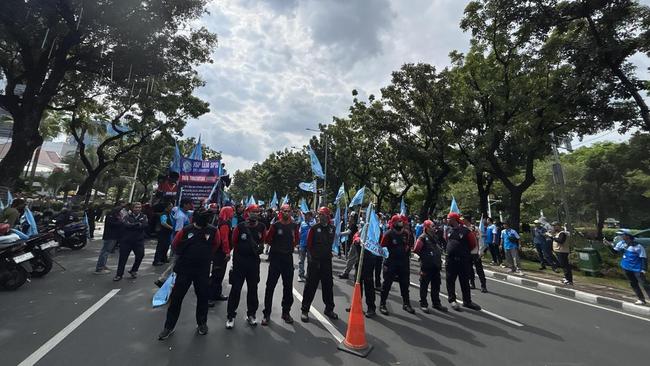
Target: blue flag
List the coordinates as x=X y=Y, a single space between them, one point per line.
x=402 y=207
x=197 y=153
x=316 y=168
x=337 y=235
x=2 y=206
x=454 y=206
x=285 y=200
x=10 y=199
x=303 y=206
x=345 y=223
x=358 y=197
x=373 y=233
x=175 y=164
x=251 y=201
x=161 y=296
x=87 y=225
x=309 y=187
x=260 y=202
x=274 y=201
x=340 y=194
x=29 y=217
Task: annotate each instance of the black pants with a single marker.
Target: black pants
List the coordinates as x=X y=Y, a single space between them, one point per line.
x=164 y=240
x=125 y=250
x=478 y=264
x=399 y=268
x=280 y=265
x=457 y=267
x=638 y=281
x=319 y=271
x=379 y=263
x=244 y=270
x=545 y=255
x=367 y=279
x=182 y=284
x=494 y=252
x=217 y=274
x=429 y=276
x=563 y=258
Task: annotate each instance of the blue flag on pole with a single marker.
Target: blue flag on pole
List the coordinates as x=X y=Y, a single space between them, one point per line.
x=197 y=153
x=175 y=164
x=303 y=206
x=308 y=186
x=10 y=199
x=29 y=217
x=316 y=168
x=337 y=234
x=251 y=201
x=274 y=200
x=340 y=194
x=345 y=223
x=454 y=206
x=2 y=205
x=358 y=197
x=373 y=233
x=285 y=200
x=402 y=207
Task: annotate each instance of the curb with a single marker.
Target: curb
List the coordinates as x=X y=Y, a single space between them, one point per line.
x=571 y=293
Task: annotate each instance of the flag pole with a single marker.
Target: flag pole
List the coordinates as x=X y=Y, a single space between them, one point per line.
x=315 y=195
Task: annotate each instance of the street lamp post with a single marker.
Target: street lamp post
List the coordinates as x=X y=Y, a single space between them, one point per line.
x=324 y=195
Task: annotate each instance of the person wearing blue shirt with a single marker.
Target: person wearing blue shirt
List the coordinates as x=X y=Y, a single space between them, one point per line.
x=543 y=247
x=634 y=263
x=492 y=242
x=510 y=239
x=302 y=249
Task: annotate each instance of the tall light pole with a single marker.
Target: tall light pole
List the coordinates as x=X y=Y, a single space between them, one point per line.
x=324 y=195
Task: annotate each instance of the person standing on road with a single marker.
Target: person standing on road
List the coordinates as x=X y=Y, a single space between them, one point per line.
x=194 y=246
x=492 y=241
x=562 y=249
x=460 y=241
x=429 y=248
x=221 y=256
x=319 y=268
x=112 y=227
x=476 y=259
x=164 y=236
x=634 y=263
x=302 y=249
x=352 y=251
x=510 y=239
x=282 y=237
x=397 y=263
x=132 y=240
x=543 y=246
x=247 y=244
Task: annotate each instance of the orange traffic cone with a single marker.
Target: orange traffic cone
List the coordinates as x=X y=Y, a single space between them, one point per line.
x=355 y=337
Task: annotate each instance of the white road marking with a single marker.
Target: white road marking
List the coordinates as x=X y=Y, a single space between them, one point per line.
x=54 y=341
x=572 y=300
x=502 y=318
x=321 y=318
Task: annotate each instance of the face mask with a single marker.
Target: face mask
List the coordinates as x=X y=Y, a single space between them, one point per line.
x=253 y=217
x=399 y=227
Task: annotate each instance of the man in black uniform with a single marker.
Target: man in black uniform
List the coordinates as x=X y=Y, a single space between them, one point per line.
x=247 y=242
x=319 y=267
x=194 y=246
x=429 y=248
x=282 y=237
x=460 y=241
x=397 y=264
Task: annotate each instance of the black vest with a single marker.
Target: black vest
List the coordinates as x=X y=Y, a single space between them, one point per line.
x=321 y=245
x=457 y=244
x=250 y=241
x=195 y=250
x=430 y=254
x=397 y=247
x=283 y=238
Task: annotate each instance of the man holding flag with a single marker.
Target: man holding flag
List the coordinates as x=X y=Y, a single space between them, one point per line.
x=305 y=225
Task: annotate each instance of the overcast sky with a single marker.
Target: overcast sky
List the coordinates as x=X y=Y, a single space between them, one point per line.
x=286 y=65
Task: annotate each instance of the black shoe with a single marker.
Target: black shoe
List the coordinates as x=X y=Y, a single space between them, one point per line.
x=371 y=313
x=211 y=303
x=484 y=289
x=440 y=307
x=265 y=320
x=221 y=298
x=157 y=264
x=331 y=314
x=165 y=334
x=304 y=317
x=287 y=318
x=425 y=309
x=159 y=283
x=344 y=276
x=133 y=274
x=408 y=309
x=203 y=329
x=472 y=306
x=117 y=278
x=383 y=309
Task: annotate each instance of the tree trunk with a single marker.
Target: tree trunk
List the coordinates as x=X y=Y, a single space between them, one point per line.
x=484 y=186
x=37 y=155
x=25 y=139
x=515 y=208
x=86 y=187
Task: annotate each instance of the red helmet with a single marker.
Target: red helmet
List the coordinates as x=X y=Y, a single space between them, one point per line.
x=393 y=220
x=455 y=216
x=324 y=211
x=252 y=208
x=286 y=206
x=428 y=224
x=404 y=219
x=226 y=213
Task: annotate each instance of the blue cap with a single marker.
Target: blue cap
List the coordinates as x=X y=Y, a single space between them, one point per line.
x=627 y=232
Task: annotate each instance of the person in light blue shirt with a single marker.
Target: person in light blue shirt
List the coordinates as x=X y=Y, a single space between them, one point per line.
x=634 y=263
x=307 y=223
x=510 y=239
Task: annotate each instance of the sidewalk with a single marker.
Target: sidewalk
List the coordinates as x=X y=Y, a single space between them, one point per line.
x=586 y=292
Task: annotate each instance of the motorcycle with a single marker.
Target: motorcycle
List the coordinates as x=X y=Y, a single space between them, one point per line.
x=72 y=236
x=41 y=246
x=14 y=265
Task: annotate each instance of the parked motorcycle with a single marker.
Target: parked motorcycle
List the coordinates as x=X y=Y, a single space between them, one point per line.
x=70 y=233
x=41 y=247
x=14 y=265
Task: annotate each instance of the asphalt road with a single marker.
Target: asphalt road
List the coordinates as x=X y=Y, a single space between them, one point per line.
x=522 y=327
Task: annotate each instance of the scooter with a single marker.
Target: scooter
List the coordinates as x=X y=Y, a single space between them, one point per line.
x=14 y=265
x=41 y=246
x=73 y=236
